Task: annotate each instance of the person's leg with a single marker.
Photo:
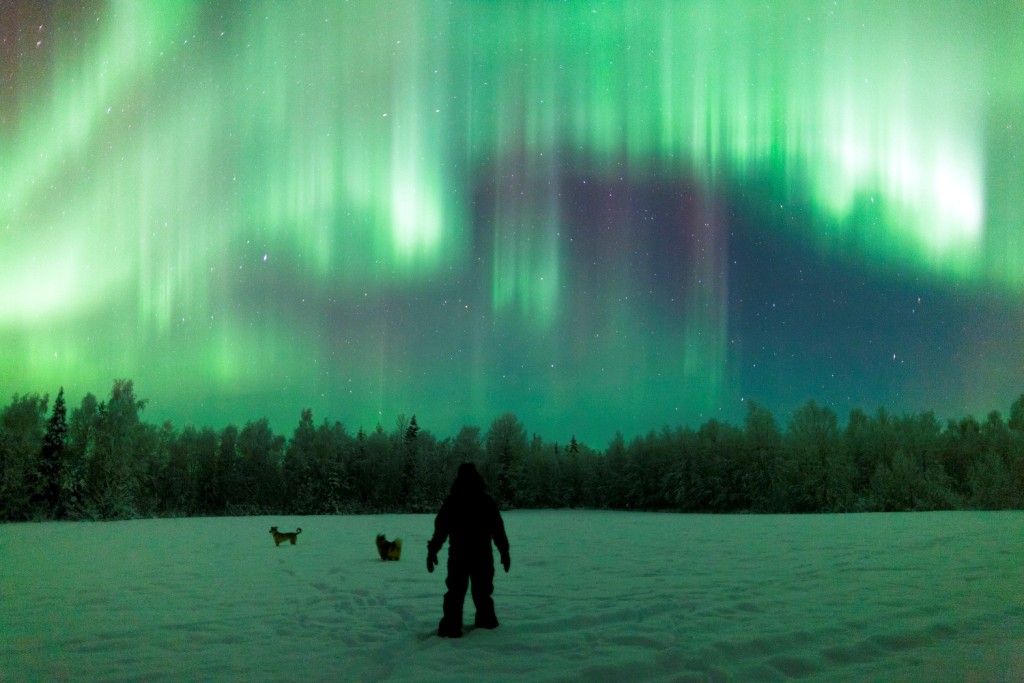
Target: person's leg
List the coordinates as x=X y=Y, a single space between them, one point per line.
x=457 y=582
x=482 y=578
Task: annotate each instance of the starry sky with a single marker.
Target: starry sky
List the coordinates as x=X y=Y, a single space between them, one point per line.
x=601 y=216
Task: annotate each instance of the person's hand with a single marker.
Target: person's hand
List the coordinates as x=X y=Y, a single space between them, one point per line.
x=432 y=561
x=505 y=561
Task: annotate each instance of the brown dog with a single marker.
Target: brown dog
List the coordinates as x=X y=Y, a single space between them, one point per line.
x=282 y=536
x=389 y=550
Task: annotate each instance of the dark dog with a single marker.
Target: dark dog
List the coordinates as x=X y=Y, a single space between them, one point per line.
x=280 y=537
x=389 y=550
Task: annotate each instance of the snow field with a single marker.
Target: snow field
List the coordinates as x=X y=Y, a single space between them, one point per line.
x=592 y=595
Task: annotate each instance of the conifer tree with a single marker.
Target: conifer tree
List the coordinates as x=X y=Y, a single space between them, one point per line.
x=120 y=453
x=51 y=459
x=506 y=448
x=412 y=498
x=1016 y=421
x=21 y=436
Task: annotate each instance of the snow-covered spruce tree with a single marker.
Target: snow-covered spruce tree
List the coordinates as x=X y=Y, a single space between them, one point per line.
x=227 y=495
x=818 y=472
x=411 y=498
x=332 y=450
x=76 y=479
x=119 y=455
x=296 y=471
x=991 y=484
x=467 y=446
x=913 y=476
x=21 y=437
x=205 y=472
x=260 y=453
x=373 y=475
x=763 y=443
x=961 y=445
x=538 y=476
x=1016 y=421
x=919 y=438
x=188 y=477
x=51 y=460
x=506 y=449
x=389 y=463
x=570 y=474
x=614 y=487
x=1015 y=424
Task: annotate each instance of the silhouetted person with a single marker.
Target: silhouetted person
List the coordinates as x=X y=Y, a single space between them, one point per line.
x=469 y=519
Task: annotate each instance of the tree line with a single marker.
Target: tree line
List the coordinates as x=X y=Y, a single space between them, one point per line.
x=104 y=462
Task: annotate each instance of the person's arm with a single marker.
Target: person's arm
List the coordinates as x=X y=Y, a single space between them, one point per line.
x=442 y=526
x=500 y=538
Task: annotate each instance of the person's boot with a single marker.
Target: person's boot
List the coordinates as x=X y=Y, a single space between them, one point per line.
x=486 y=620
x=449 y=629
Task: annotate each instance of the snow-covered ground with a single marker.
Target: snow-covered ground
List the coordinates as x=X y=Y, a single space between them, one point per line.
x=594 y=596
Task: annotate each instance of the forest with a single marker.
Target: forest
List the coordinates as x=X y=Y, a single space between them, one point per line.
x=103 y=462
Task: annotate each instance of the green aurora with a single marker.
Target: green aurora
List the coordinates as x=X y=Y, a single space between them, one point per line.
x=457 y=209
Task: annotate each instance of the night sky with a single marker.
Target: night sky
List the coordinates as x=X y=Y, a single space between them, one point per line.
x=600 y=216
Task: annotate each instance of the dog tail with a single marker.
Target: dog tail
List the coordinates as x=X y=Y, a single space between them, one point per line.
x=298 y=531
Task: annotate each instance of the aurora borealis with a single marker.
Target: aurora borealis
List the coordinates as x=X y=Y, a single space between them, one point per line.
x=598 y=215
